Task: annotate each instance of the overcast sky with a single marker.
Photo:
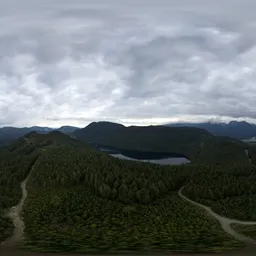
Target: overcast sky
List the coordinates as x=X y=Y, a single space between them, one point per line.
x=134 y=62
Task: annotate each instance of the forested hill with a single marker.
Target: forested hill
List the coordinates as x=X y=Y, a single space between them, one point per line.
x=83 y=200
x=197 y=144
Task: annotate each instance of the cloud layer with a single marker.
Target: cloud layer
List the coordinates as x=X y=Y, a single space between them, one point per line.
x=136 y=62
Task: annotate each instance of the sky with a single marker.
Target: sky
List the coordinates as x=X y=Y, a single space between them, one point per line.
x=136 y=62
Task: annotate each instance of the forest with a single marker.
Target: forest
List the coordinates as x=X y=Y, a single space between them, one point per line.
x=83 y=200
x=79 y=194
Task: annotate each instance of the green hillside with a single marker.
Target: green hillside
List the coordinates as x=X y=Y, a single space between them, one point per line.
x=16 y=162
x=83 y=200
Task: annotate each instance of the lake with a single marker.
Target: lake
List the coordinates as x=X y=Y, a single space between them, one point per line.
x=162 y=158
x=163 y=161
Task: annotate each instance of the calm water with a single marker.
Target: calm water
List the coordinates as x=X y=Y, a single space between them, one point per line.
x=165 y=161
x=161 y=158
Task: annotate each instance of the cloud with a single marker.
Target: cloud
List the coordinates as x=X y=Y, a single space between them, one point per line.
x=142 y=63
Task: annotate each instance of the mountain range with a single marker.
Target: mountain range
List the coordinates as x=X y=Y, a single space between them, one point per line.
x=233 y=129
x=9 y=134
x=79 y=199
x=74 y=198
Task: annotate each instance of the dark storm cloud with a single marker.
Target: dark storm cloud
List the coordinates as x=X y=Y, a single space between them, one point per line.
x=138 y=62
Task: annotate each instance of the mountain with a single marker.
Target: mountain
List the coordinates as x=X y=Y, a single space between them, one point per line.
x=9 y=134
x=78 y=199
x=67 y=129
x=197 y=144
x=100 y=129
x=234 y=129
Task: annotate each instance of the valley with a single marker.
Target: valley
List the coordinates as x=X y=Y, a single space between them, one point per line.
x=127 y=127
x=78 y=199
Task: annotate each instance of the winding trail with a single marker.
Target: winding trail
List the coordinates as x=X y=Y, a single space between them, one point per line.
x=15 y=215
x=224 y=222
x=247 y=154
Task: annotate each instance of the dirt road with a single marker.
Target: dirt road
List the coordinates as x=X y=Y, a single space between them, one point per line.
x=247 y=154
x=224 y=222
x=15 y=215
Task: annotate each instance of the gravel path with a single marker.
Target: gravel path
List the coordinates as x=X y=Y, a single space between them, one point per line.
x=224 y=222
x=15 y=215
x=247 y=154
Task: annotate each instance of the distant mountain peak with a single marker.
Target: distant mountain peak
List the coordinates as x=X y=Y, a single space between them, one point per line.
x=106 y=123
x=240 y=123
x=233 y=129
